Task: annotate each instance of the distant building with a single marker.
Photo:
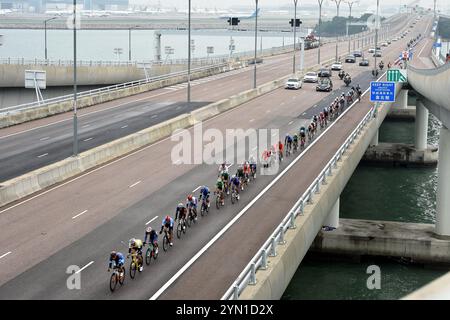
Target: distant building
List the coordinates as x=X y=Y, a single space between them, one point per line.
x=43 y=5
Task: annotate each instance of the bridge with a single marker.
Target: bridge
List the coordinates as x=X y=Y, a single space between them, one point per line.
x=261 y=240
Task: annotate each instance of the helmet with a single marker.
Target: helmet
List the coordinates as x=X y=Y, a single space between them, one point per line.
x=167 y=218
x=219 y=180
x=149 y=229
x=234 y=176
x=132 y=241
x=113 y=254
x=190 y=197
x=180 y=205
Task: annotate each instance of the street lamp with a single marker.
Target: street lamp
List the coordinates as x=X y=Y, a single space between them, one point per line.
x=256 y=43
x=189 y=54
x=377 y=22
x=319 y=31
x=295 y=32
x=45 y=32
x=75 y=88
x=129 y=41
x=338 y=4
x=350 y=6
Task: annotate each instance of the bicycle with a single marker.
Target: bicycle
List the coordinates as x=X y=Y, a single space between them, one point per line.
x=134 y=264
x=234 y=195
x=219 y=196
x=192 y=216
x=166 y=242
x=117 y=276
x=181 y=227
x=205 y=207
x=295 y=146
x=151 y=253
x=288 y=149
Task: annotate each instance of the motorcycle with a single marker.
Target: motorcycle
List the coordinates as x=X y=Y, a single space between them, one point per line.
x=347 y=81
x=341 y=75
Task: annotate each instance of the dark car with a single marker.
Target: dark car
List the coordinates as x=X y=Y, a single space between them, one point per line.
x=324 y=84
x=350 y=59
x=364 y=63
x=252 y=61
x=357 y=54
x=325 y=73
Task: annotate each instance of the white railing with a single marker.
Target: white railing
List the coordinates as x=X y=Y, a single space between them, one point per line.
x=37 y=104
x=269 y=249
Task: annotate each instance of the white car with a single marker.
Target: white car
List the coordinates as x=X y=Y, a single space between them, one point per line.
x=293 y=83
x=311 y=77
x=337 y=66
x=372 y=50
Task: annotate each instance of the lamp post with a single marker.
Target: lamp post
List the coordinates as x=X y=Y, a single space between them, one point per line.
x=256 y=42
x=45 y=36
x=377 y=22
x=350 y=6
x=189 y=55
x=129 y=42
x=319 y=31
x=295 y=33
x=75 y=88
x=338 y=4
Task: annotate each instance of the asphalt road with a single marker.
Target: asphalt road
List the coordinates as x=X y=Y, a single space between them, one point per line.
x=81 y=221
x=29 y=146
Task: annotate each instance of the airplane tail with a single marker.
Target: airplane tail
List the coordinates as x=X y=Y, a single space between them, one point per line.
x=255 y=13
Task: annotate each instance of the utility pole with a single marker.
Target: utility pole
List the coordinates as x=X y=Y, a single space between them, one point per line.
x=319 y=33
x=256 y=43
x=338 y=4
x=45 y=31
x=75 y=87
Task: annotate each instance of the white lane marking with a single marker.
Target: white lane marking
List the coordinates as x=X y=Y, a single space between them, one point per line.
x=43 y=139
x=178 y=161
x=80 y=214
x=268 y=111
x=2 y=256
x=43 y=155
x=248 y=206
x=196 y=189
x=303 y=113
x=178 y=108
x=88 y=139
x=84 y=267
x=290 y=123
x=252 y=120
x=86 y=125
x=151 y=220
x=124 y=127
x=134 y=184
x=154 y=116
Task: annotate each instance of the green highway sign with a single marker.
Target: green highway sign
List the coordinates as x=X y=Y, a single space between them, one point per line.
x=397 y=75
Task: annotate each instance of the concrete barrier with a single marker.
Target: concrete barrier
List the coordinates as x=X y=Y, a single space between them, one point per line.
x=272 y=282
x=25 y=185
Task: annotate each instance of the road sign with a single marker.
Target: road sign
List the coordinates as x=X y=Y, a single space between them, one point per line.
x=35 y=79
x=382 y=91
x=437 y=45
x=397 y=75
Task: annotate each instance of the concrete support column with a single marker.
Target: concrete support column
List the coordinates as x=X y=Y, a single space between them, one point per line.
x=333 y=217
x=421 y=126
x=402 y=100
x=375 y=139
x=443 y=191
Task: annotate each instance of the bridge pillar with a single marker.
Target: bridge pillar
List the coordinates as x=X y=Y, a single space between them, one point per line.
x=421 y=126
x=333 y=218
x=158 y=46
x=402 y=100
x=443 y=191
x=375 y=139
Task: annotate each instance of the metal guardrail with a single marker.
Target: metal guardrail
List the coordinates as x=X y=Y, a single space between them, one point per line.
x=108 y=89
x=93 y=63
x=269 y=249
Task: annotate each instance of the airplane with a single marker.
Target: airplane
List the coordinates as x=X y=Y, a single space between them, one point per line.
x=5 y=11
x=240 y=15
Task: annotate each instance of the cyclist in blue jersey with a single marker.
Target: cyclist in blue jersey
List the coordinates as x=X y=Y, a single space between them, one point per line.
x=116 y=260
x=168 y=223
x=204 y=194
x=235 y=184
x=191 y=204
x=152 y=238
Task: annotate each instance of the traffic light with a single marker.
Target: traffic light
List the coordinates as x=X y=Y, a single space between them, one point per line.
x=234 y=21
x=298 y=22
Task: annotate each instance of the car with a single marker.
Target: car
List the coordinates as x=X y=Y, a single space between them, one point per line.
x=384 y=44
x=324 y=84
x=337 y=66
x=372 y=50
x=350 y=59
x=325 y=73
x=389 y=41
x=358 y=54
x=311 y=77
x=364 y=63
x=378 y=54
x=293 y=83
x=252 y=61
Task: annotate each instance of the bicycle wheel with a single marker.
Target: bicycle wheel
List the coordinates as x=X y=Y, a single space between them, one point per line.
x=218 y=202
x=122 y=279
x=113 y=282
x=133 y=268
x=148 y=256
x=187 y=221
x=179 y=229
x=155 y=254
x=165 y=243
x=202 y=210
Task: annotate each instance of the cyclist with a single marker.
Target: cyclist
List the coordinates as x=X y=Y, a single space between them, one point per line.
x=167 y=224
x=204 y=193
x=247 y=171
x=322 y=119
x=225 y=178
x=266 y=158
x=381 y=65
x=326 y=113
x=223 y=167
x=152 y=238
x=191 y=204
x=358 y=92
x=302 y=136
x=288 y=143
x=280 y=148
x=253 y=166
x=295 y=139
x=235 y=184
x=241 y=174
x=181 y=212
x=135 y=247
x=219 y=190
x=116 y=260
